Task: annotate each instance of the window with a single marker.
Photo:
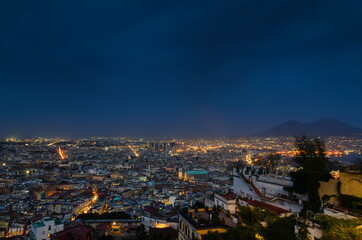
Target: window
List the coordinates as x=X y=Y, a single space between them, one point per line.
x=281 y=202
x=50 y=228
x=263 y=191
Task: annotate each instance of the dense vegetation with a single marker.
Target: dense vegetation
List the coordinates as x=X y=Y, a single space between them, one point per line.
x=334 y=228
x=281 y=228
x=252 y=216
x=314 y=168
x=249 y=226
x=311 y=157
x=237 y=233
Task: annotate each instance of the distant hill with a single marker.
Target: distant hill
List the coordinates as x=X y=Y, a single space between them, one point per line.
x=321 y=128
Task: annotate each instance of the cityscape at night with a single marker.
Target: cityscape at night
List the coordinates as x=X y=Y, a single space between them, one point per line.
x=165 y=120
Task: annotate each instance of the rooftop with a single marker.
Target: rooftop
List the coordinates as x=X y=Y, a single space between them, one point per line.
x=39 y=224
x=195 y=172
x=277 y=210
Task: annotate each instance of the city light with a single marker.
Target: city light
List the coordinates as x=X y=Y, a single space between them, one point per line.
x=61 y=153
x=135 y=153
x=196 y=120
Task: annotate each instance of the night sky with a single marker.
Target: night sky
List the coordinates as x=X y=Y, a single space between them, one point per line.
x=176 y=68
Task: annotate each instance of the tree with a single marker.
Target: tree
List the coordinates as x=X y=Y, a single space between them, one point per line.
x=310 y=153
x=241 y=233
x=260 y=171
x=215 y=220
x=251 y=216
x=334 y=228
x=312 y=159
x=237 y=165
x=278 y=228
x=141 y=232
x=237 y=233
x=281 y=228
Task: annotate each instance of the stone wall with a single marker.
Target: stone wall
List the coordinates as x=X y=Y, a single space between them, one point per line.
x=351 y=184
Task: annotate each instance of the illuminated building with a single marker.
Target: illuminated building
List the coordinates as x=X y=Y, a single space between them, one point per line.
x=196 y=174
x=43 y=228
x=225 y=201
x=189 y=229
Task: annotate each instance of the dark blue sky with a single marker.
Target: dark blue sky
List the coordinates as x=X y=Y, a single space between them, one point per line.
x=176 y=68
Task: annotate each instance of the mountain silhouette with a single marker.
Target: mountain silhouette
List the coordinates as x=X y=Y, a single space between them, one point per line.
x=324 y=127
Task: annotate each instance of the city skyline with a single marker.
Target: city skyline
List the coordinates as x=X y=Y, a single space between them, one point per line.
x=323 y=128
x=176 y=69
x=180 y=120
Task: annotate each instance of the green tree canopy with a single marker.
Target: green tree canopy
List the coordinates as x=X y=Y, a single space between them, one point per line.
x=251 y=216
x=310 y=154
x=334 y=228
x=281 y=228
x=237 y=233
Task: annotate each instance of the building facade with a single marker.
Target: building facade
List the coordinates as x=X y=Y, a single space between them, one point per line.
x=189 y=229
x=42 y=229
x=267 y=189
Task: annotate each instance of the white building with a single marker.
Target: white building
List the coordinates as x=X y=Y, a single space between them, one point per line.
x=225 y=201
x=42 y=229
x=267 y=189
x=17 y=229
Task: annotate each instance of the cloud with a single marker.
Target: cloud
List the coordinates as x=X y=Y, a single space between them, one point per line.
x=140 y=59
